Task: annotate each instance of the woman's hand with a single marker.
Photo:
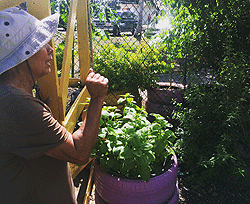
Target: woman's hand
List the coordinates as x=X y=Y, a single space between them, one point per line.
x=97 y=85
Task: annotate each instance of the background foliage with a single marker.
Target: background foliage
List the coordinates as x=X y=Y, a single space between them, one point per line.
x=207 y=36
x=215 y=118
x=129 y=70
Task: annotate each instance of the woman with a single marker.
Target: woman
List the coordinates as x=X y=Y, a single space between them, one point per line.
x=34 y=147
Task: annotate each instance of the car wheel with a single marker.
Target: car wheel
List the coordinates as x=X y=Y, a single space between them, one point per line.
x=133 y=29
x=116 y=31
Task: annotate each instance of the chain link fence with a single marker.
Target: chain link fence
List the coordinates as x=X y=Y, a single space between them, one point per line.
x=124 y=49
x=123 y=52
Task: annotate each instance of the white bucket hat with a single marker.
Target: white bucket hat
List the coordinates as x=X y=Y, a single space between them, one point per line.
x=22 y=35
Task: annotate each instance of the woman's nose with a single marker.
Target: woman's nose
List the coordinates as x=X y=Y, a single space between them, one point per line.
x=49 y=49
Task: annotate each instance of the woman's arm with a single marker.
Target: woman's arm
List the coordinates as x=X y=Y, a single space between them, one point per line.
x=78 y=146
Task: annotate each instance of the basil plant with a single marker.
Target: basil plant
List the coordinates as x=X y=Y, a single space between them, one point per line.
x=129 y=145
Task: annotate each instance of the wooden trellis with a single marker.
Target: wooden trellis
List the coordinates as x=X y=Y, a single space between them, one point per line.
x=50 y=86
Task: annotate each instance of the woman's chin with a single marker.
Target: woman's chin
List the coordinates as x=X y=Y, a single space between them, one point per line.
x=46 y=72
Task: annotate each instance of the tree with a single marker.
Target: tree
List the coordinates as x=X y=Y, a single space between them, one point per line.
x=138 y=30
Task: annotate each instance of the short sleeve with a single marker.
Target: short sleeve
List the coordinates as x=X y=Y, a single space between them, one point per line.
x=28 y=128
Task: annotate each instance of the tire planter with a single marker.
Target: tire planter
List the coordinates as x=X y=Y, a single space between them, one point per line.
x=164 y=110
x=160 y=100
x=166 y=93
x=114 y=190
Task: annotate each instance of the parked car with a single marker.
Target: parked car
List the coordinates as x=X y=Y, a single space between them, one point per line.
x=126 y=22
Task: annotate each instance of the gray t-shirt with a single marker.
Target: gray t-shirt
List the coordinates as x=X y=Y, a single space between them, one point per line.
x=27 y=131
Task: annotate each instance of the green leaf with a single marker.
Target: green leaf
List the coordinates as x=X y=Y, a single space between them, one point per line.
x=127 y=153
x=118 y=150
x=121 y=100
x=134 y=141
x=170 y=151
x=137 y=153
x=105 y=113
x=146 y=146
x=130 y=164
x=117 y=115
x=103 y=165
x=103 y=147
x=111 y=162
x=130 y=116
x=170 y=135
x=145 y=174
x=143 y=161
x=156 y=126
x=142 y=131
x=109 y=146
x=151 y=156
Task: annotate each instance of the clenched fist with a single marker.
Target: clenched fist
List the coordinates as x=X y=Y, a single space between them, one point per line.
x=97 y=85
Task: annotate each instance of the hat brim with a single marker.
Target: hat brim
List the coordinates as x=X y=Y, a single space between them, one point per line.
x=43 y=33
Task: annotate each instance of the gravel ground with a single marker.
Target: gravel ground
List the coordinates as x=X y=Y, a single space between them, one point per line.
x=218 y=193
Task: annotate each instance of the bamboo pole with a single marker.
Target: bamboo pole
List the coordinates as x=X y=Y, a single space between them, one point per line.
x=90 y=184
x=83 y=39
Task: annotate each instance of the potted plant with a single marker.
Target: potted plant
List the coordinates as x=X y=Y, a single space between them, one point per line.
x=163 y=99
x=134 y=159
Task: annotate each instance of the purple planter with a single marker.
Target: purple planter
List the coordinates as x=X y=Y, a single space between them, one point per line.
x=164 y=110
x=160 y=189
x=160 y=100
x=166 y=94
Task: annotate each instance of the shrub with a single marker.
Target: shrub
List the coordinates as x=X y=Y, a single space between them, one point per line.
x=214 y=36
x=129 y=68
x=215 y=122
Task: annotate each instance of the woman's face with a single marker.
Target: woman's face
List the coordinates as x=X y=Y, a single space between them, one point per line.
x=40 y=62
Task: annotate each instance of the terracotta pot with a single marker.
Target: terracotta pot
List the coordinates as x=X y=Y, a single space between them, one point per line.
x=114 y=190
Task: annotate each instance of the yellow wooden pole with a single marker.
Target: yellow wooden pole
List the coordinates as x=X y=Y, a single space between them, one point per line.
x=84 y=62
x=84 y=65
x=90 y=184
x=83 y=38
x=4 y=4
x=64 y=81
x=49 y=84
x=84 y=32
x=75 y=111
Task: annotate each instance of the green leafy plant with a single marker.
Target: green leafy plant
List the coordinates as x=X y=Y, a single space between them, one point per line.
x=59 y=56
x=213 y=36
x=215 y=120
x=129 y=145
x=129 y=67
